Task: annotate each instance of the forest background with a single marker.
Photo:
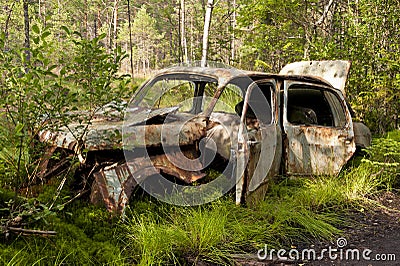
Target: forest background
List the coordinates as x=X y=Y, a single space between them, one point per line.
x=254 y=35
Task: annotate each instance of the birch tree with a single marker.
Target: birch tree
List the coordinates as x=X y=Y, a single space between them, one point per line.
x=183 y=32
x=207 y=22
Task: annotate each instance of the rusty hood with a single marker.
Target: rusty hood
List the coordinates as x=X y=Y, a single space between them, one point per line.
x=142 y=127
x=333 y=71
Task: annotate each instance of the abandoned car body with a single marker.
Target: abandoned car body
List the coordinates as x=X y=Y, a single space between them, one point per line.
x=186 y=120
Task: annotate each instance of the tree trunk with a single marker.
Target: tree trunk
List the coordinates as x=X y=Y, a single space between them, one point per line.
x=183 y=33
x=40 y=9
x=8 y=21
x=109 y=35
x=27 y=28
x=85 y=20
x=130 y=38
x=95 y=26
x=192 y=54
x=115 y=24
x=233 y=41
x=207 y=22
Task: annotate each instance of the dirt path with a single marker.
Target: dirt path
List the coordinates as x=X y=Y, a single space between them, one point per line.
x=369 y=235
x=378 y=231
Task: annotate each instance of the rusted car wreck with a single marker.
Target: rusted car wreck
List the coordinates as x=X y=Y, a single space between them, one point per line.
x=250 y=126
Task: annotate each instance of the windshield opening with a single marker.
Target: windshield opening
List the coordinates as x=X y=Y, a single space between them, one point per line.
x=183 y=91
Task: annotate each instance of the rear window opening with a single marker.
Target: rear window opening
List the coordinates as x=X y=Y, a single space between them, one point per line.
x=314 y=106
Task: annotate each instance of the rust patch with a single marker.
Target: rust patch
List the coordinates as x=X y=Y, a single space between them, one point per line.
x=44 y=161
x=318 y=150
x=168 y=135
x=114 y=185
x=167 y=164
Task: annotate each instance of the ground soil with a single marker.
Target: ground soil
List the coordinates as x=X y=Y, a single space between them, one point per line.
x=377 y=229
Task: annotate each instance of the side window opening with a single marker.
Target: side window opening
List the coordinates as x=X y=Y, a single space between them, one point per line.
x=259 y=109
x=177 y=93
x=260 y=103
x=229 y=98
x=314 y=106
x=339 y=115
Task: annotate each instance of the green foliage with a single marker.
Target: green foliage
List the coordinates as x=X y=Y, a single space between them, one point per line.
x=152 y=243
x=249 y=34
x=384 y=159
x=214 y=232
x=173 y=233
x=30 y=90
x=365 y=39
x=37 y=95
x=146 y=39
x=153 y=233
x=95 y=73
x=74 y=68
x=275 y=33
x=85 y=236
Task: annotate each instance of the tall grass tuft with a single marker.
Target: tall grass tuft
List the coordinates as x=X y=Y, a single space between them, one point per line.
x=153 y=243
x=175 y=232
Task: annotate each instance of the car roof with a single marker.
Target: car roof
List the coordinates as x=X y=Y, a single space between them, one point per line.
x=224 y=75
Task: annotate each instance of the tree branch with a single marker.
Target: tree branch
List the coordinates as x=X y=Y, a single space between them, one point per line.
x=323 y=16
x=28 y=231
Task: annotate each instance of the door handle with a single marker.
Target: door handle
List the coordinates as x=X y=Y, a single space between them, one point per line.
x=348 y=140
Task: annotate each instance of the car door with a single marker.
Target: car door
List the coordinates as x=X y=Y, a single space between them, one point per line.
x=318 y=131
x=260 y=149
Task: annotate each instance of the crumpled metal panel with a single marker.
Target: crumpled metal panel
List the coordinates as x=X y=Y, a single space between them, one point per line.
x=109 y=185
x=222 y=133
x=335 y=71
x=138 y=115
x=317 y=150
x=65 y=140
x=167 y=163
x=114 y=184
x=99 y=135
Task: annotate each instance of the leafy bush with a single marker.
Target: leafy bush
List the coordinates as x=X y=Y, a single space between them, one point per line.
x=37 y=95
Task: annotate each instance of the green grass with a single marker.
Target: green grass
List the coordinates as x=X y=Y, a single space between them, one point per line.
x=216 y=231
x=86 y=235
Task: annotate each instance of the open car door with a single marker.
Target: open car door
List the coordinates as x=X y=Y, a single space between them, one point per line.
x=260 y=147
x=319 y=137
